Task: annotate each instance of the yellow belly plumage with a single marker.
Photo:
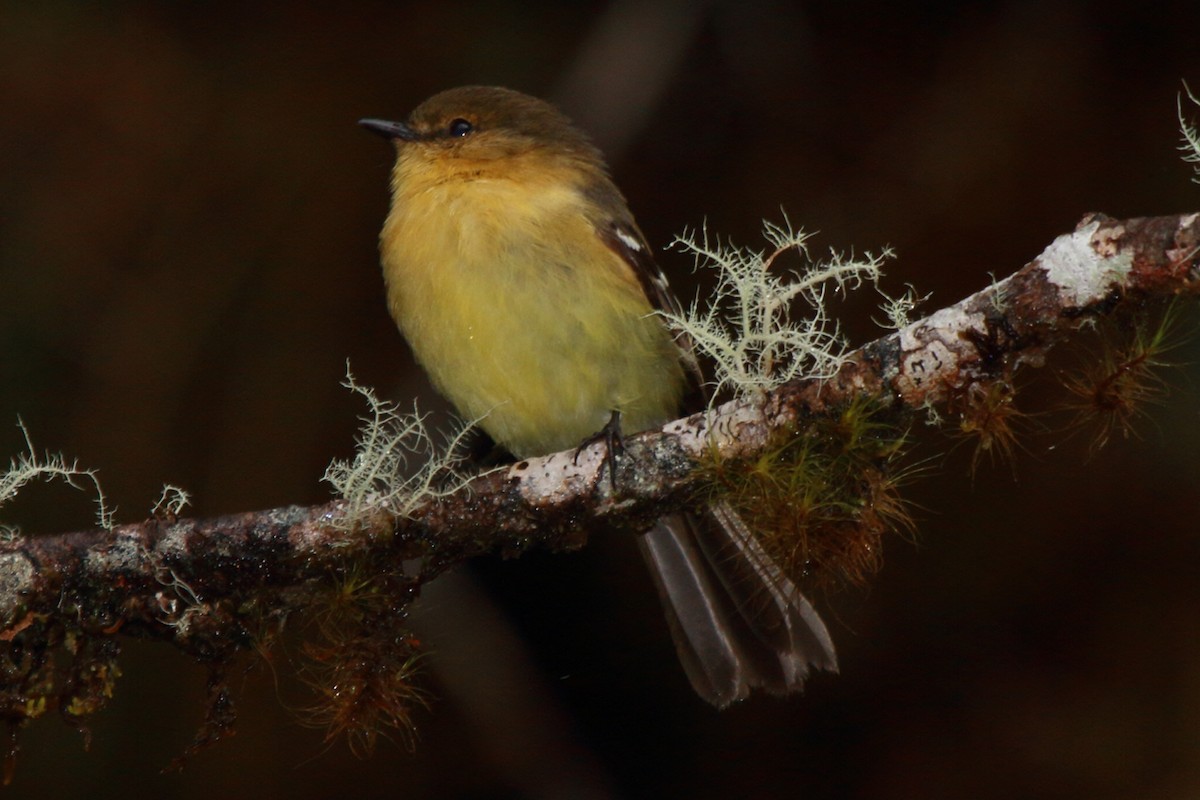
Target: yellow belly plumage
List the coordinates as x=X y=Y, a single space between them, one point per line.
x=519 y=312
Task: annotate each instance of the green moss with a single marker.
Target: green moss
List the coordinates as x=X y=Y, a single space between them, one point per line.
x=823 y=493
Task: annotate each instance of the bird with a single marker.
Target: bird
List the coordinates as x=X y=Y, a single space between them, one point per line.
x=525 y=289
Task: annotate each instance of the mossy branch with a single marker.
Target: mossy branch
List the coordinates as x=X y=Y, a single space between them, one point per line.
x=217 y=586
x=558 y=500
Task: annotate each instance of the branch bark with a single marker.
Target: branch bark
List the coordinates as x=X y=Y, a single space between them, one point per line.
x=208 y=585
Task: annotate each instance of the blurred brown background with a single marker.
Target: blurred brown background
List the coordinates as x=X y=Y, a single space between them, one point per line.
x=188 y=216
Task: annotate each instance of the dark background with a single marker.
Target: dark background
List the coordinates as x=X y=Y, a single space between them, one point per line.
x=188 y=217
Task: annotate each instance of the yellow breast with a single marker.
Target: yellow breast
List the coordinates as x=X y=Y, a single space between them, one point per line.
x=519 y=312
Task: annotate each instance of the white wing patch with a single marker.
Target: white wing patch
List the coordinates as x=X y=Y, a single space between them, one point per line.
x=629 y=241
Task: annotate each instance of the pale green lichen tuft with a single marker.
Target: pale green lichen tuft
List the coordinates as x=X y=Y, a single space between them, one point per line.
x=30 y=466
x=172 y=501
x=379 y=477
x=898 y=309
x=748 y=329
x=1191 y=136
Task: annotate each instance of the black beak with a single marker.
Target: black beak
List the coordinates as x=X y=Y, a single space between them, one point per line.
x=389 y=130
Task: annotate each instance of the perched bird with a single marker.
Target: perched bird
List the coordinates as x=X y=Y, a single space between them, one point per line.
x=517 y=274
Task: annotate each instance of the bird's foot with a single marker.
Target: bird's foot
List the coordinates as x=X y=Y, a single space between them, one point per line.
x=610 y=434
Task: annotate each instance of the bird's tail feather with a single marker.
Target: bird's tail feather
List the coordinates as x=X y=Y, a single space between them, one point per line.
x=737 y=621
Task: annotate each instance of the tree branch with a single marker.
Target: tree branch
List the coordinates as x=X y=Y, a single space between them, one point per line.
x=211 y=585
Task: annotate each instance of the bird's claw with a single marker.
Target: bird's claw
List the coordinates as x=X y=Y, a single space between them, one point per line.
x=614 y=442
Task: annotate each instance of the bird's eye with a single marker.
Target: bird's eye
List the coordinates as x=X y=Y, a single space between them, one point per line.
x=460 y=127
